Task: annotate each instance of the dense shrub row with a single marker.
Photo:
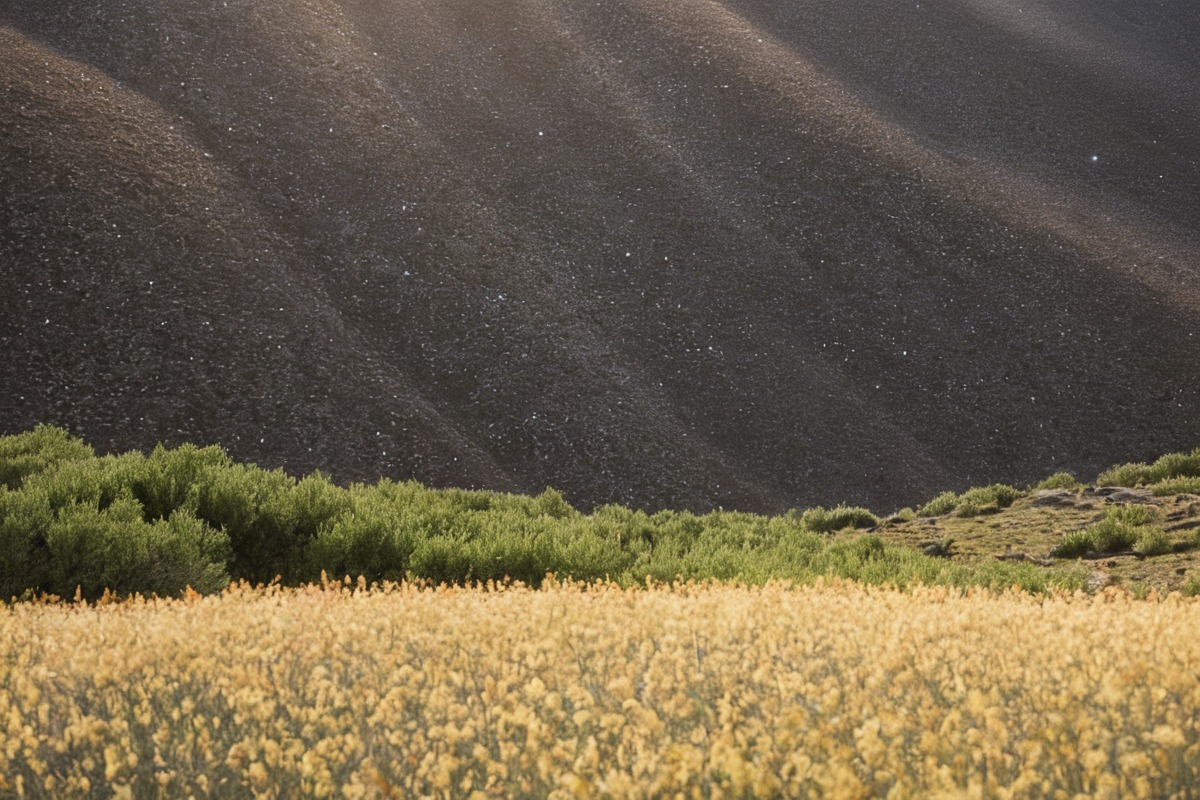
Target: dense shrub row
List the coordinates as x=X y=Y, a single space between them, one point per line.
x=190 y=516
x=1123 y=528
x=1174 y=472
x=971 y=503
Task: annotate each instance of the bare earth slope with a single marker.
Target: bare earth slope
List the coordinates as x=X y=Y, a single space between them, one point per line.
x=748 y=253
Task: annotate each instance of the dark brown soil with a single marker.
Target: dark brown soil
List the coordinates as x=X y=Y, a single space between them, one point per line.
x=683 y=253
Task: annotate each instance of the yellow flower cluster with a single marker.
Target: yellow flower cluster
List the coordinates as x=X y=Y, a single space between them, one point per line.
x=689 y=691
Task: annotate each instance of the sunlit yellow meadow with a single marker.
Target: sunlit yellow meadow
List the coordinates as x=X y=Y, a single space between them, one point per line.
x=841 y=691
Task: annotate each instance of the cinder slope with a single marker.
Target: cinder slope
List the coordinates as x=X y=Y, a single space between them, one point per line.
x=679 y=253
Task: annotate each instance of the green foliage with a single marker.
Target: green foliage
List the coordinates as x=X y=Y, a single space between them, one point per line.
x=1060 y=480
x=1132 y=515
x=1132 y=474
x=115 y=548
x=1123 y=528
x=1074 y=545
x=943 y=504
x=1113 y=536
x=190 y=516
x=375 y=540
x=1153 y=542
x=1172 y=465
x=971 y=503
x=828 y=520
x=25 y=520
x=903 y=515
x=253 y=507
x=1172 y=486
x=985 y=500
x=552 y=504
x=1191 y=588
x=35 y=451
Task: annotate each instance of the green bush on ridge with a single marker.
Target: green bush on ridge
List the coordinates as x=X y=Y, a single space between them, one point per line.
x=939 y=506
x=1059 y=480
x=1172 y=486
x=971 y=503
x=1170 y=466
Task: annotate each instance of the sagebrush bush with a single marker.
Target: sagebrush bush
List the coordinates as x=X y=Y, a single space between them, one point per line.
x=1075 y=544
x=1172 y=486
x=1172 y=465
x=1123 y=528
x=985 y=500
x=1153 y=542
x=35 y=451
x=116 y=549
x=1113 y=536
x=1132 y=514
x=829 y=520
x=939 y=506
x=903 y=515
x=1059 y=480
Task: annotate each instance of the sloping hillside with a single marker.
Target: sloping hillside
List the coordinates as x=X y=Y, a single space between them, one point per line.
x=673 y=253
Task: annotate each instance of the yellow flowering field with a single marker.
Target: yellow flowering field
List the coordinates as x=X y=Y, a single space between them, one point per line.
x=834 y=690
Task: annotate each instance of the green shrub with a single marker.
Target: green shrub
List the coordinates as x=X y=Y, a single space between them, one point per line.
x=551 y=503
x=1074 y=545
x=190 y=516
x=588 y=554
x=1123 y=528
x=1113 y=536
x=117 y=549
x=1172 y=486
x=521 y=553
x=287 y=517
x=374 y=541
x=985 y=500
x=169 y=479
x=1133 y=474
x=441 y=560
x=1139 y=590
x=35 y=451
x=25 y=519
x=939 y=506
x=316 y=502
x=1132 y=514
x=1176 y=465
x=252 y=507
x=96 y=481
x=1060 y=480
x=1153 y=542
x=1172 y=465
x=828 y=520
x=903 y=515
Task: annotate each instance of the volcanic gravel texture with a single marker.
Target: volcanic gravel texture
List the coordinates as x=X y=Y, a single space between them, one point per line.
x=751 y=253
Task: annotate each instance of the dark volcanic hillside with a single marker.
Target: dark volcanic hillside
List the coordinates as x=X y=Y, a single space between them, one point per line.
x=752 y=253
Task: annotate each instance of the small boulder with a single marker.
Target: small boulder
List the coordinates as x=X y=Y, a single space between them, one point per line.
x=1054 y=498
x=1128 y=496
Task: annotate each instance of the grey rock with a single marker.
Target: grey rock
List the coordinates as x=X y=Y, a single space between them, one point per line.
x=1054 y=498
x=1128 y=496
